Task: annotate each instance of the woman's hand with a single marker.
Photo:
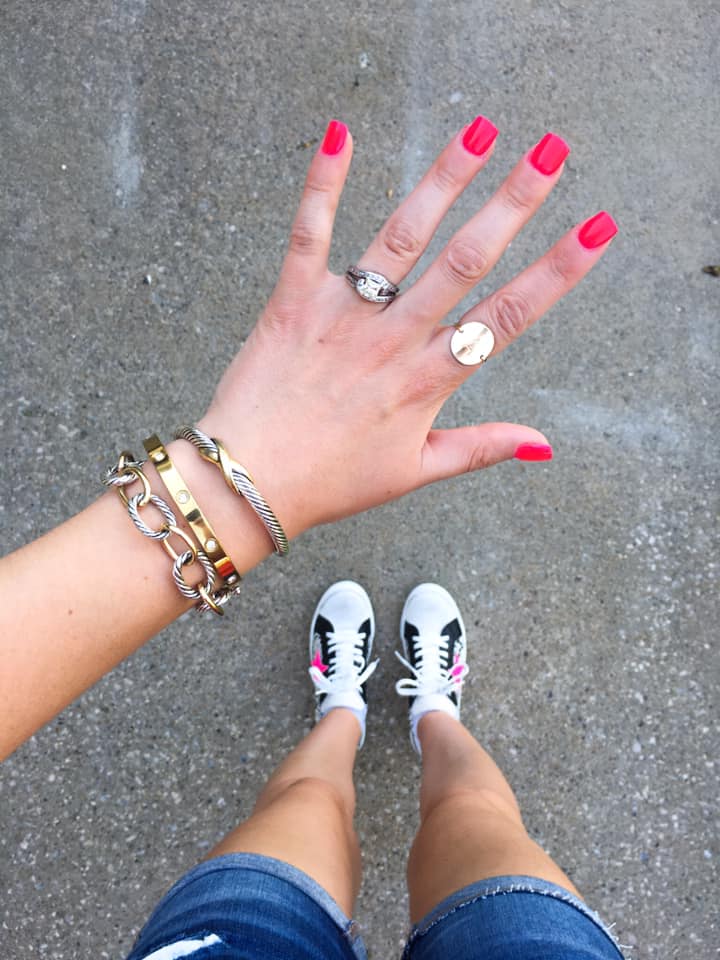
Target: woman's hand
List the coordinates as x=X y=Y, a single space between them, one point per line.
x=331 y=401
x=329 y=404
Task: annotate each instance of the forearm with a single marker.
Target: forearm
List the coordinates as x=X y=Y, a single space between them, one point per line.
x=81 y=599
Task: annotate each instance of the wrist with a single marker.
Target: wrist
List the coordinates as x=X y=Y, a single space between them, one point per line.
x=237 y=528
x=267 y=463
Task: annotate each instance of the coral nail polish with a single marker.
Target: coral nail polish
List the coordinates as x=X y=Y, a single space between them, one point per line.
x=549 y=154
x=597 y=230
x=334 y=139
x=479 y=136
x=534 y=451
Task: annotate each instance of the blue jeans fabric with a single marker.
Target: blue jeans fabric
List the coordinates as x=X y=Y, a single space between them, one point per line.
x=258 y=907
x=511 y=918
x=245 y=906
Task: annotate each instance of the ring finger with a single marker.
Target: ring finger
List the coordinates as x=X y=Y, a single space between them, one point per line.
x=513 y=308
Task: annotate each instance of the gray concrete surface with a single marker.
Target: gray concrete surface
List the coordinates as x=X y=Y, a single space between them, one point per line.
x=171 y=138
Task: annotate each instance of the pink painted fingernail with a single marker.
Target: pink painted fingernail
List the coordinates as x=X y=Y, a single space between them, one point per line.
x=549 y=154
x=334 y=139
x=479 y=136
x=534 y=451
x=597 y=230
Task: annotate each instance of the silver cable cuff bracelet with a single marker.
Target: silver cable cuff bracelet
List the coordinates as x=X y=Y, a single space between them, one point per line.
x=239 y=480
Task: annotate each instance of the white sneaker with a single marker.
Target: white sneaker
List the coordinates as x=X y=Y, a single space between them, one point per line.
x=341 y=637
x=433 y=637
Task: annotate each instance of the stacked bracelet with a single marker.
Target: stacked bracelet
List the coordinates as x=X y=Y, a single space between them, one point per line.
x=221 y=577
x=187 y=505
x=127 y=471
x=239 y=480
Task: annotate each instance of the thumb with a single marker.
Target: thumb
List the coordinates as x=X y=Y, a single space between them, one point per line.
x=448 y=453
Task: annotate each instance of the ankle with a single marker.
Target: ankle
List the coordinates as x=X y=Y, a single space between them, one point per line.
x=342 y=713
x=431 y=712
x=433 y=722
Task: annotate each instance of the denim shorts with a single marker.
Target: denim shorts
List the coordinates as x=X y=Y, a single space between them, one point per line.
x=242 y=906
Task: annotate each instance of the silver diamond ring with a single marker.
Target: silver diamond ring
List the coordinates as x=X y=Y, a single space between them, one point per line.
x=371 y=286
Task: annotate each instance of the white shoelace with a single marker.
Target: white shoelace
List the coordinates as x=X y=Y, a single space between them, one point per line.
x=350 y=670
x=429 y=676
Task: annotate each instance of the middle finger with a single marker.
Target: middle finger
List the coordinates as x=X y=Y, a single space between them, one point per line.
x=477 y=247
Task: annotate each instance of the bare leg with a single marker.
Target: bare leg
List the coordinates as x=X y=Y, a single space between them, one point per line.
x=470 y=823
x=304 y=815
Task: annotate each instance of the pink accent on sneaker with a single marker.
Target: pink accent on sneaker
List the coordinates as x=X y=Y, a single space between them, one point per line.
x=457 y=670
x=317 y=662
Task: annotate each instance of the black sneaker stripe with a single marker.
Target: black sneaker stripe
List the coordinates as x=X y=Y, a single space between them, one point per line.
x=322 y=628
x=365 y=629
x=453 y=631
x=410 y=632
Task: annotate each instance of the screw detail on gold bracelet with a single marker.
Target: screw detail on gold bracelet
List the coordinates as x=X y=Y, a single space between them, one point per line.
x=191 y=511
x=127 y=471
x=239 y=480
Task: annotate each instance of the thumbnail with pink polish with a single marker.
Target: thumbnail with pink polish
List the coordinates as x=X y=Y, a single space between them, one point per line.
x=534 y=452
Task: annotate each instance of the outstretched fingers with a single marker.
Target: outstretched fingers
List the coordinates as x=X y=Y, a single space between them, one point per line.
x=478 y=245
x=306 y=262
x=513 y=308
x=401 y=240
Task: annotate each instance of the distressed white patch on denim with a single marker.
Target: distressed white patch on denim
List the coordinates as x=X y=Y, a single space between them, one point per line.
x=183 y=948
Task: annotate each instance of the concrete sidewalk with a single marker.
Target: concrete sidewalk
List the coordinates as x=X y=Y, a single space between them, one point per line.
x=170 y=139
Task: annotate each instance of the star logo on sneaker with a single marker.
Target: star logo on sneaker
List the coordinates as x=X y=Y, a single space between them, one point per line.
x=317 y=661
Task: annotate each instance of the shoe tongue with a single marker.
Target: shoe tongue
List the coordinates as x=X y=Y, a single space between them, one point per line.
x=343 y=655
x=430 y=642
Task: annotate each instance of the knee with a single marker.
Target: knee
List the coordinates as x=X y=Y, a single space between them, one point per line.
x=320 y=795
x=333 y=811
x=482 y=804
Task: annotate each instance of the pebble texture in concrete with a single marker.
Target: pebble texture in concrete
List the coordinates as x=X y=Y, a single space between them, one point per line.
x=170 y=140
